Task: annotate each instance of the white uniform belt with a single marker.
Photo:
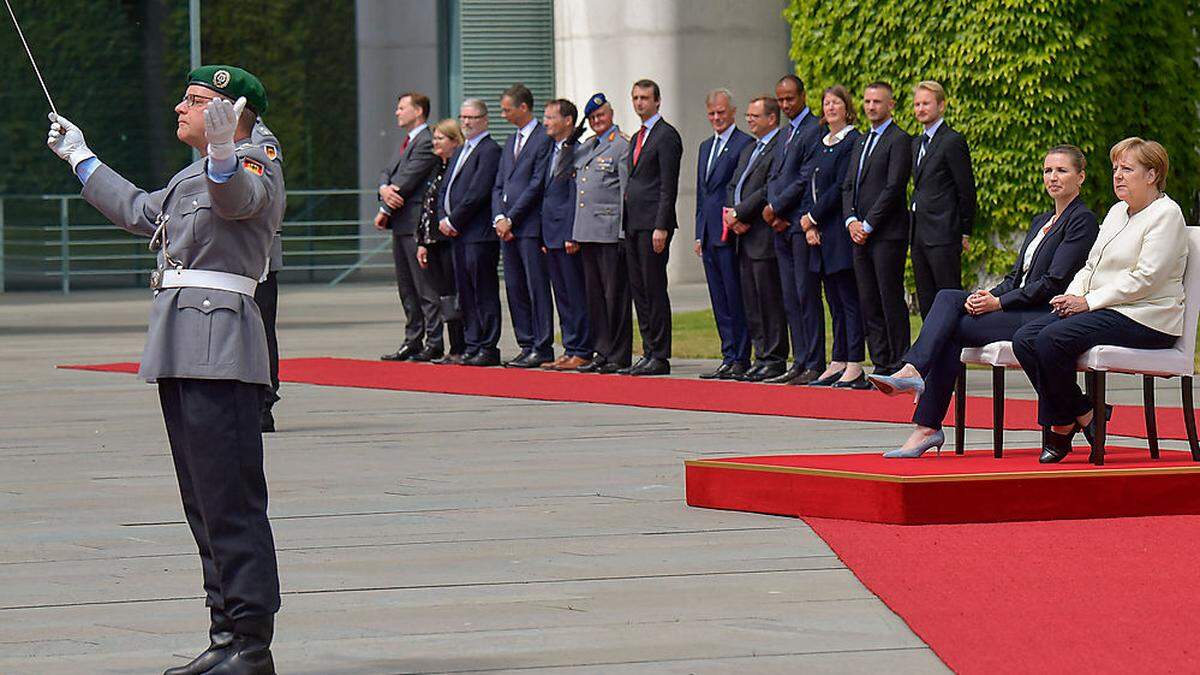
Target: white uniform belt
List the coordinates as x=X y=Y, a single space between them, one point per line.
x=221 y=281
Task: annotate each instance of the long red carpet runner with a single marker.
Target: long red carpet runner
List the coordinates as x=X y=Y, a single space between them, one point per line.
x=667 y=393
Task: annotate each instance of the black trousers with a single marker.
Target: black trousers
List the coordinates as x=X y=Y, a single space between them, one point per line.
x=841 y=292
x=937 y=351
x=610 y=315
x=1048 y=348
x=935 y=267
x=438 y=276
x=213 y=428
x=648 y=285
x=478 y=285
x=266 y=296
x=879 y=271
x=762 y=296
x=422 y=320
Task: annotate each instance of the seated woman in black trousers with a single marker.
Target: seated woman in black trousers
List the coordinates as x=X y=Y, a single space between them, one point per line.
x=1128 y=294
x=1054 y=250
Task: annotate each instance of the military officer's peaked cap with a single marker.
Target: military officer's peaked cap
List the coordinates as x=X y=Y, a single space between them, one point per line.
x=232 y=82
x=594 y=104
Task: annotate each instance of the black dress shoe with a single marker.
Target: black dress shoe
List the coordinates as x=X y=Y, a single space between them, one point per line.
x=250 y=653
x=787 y=376
x=483 y=358
x=1089 y=429
x=403 y=354
x=722 y=369
x=611 y=368
x=641 y=363
x=426 y=355
x=653 y=367
x=220 y=636
x=593 y=367
x=518 y=358
x=827 y=381
x=807 y=376
x=859 y=382
x=531 y=360
x=769 y=372
x=735 y=372
x=1055 y=447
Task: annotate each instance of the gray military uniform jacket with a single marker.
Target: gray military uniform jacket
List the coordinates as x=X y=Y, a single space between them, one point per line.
x=600 y=176
x=262 y=135
x=202 y=333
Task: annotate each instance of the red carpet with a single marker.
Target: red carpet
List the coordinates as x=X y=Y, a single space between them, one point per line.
x=668 y=393
x=1094 y=596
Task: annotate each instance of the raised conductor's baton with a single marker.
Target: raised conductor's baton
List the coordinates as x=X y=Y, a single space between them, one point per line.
x=29 y=53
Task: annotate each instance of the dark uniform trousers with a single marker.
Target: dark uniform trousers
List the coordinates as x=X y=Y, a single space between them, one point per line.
x=610 y=313
x=937 y=351
x=841 y=292
x=935 y=268
x=213 y=428
x=266 y=296
x=527 y=286
x=879 y=271
x=762 y=297
x=438 y=276
x=725 y=294
x=566 y=278
x=801 y=300
x=648 y=285
x=422 y=318
x=478 y=293
x=1049 y=346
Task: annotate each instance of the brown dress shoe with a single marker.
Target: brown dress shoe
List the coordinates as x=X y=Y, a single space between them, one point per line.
x=571 y=363
x=553 y=365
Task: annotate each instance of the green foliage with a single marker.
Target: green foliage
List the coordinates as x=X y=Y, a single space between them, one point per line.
x=1021 y=76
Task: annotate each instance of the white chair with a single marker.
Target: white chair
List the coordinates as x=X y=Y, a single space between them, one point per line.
x=1177 y=361
x=998 y=355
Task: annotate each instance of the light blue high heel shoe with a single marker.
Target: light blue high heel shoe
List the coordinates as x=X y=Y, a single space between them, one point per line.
x=897 y=385
x=935 y=440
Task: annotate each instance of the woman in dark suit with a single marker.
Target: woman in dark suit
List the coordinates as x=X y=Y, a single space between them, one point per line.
x=830 y=252
x=1055 y=248
x=434 y=253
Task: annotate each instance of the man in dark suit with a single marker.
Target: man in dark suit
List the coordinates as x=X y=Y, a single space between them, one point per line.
x=650 y=220
x=401 y=187
x=943 y=197
x=873 y=201
x=517 y=217
x=464 y=213
x=789 y=196
x=715 y=245
x=762 y=294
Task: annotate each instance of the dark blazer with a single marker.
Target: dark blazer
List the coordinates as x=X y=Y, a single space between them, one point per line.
x=758 y=242
x=558 y=201
x=1061 y=254
x=880 y=196
x=517 y=192
x=788 y=189
x=943 y=195
x=836 y=250
x=711 y=192
x=653 y=183
x=471 y=192
x=410 y=172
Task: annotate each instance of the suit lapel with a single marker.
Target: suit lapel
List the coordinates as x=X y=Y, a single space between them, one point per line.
x=934 y=143
x=881 y=143
x=1055 y=231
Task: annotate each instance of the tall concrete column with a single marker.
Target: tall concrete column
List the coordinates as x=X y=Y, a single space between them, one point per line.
x=398 y=50
x=689 y=47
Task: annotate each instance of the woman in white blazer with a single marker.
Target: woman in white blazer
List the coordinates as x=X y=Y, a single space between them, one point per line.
x=1129 y=294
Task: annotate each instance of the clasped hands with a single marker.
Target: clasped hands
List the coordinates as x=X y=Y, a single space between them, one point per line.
x=729 y=217
x=390 y=194
x=1068 y=305
x=981 y=302
x=504 y=229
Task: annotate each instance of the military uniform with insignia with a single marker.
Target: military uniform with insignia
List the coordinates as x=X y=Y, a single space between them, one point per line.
x=212 y=226
x=600 y=175
x=267 y=293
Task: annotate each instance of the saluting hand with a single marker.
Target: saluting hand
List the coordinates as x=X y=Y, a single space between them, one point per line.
x=220 y=124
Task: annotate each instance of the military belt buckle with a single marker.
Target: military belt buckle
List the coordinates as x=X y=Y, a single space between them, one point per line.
x=156 y=278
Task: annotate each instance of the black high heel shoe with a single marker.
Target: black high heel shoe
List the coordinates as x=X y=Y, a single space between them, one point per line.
x=1089 y=429
x=1055 y=447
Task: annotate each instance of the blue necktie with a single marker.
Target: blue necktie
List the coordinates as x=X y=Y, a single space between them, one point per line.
x=737 y=190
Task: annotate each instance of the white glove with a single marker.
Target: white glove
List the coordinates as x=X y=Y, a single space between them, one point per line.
x=66 y=140
x=220 y=124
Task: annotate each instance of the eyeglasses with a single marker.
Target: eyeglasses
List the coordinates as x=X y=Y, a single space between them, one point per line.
x=193 y=100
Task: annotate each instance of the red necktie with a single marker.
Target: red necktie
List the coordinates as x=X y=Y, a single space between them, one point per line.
x=404 y=145
x=637 y=148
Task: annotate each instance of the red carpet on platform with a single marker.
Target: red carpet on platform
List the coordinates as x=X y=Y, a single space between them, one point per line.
x=668 y=393
x=1085 y=596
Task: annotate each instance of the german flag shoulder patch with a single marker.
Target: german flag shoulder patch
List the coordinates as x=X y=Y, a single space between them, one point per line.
x=253 y=167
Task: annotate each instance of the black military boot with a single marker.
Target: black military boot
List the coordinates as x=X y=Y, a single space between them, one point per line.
x=250 y=653
x=220 y=635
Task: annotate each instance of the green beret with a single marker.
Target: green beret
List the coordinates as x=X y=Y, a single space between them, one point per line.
x=232 y=82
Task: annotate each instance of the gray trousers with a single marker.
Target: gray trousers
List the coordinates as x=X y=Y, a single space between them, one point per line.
x=422 y=311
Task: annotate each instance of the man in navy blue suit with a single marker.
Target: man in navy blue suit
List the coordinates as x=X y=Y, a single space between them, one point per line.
x=562 y=251
x=517 y=217
x=788 y=198
x=464 y=213
x=715 y=245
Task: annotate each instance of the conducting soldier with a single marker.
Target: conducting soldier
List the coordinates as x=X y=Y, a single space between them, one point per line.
x=267 y=293
x=212 y=227
x=600 y=181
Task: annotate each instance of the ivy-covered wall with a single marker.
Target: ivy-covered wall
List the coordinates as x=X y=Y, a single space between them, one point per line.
x=1022 y=76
